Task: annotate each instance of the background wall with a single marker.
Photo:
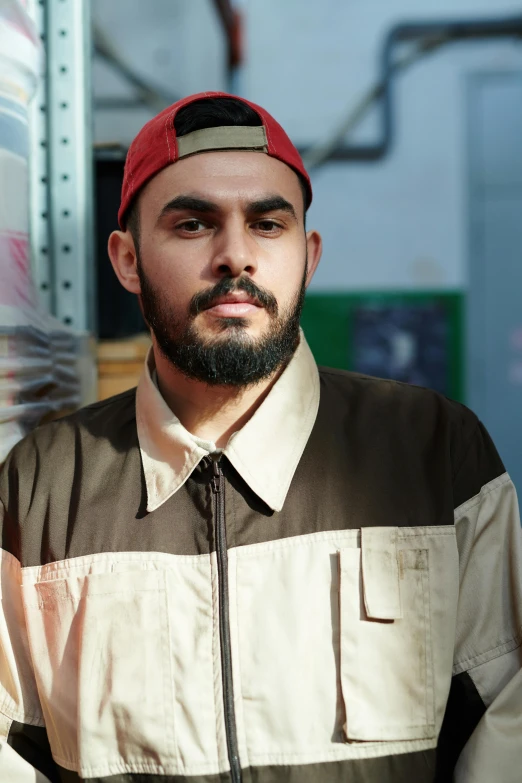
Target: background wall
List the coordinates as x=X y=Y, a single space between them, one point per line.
x=178 y=47
x=402 y=222
x=398 y=223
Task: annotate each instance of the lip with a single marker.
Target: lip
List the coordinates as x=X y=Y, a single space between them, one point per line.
x=233 y=306
x=233 y=309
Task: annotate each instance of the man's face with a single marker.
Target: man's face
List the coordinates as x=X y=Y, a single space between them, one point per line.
x=222 y=265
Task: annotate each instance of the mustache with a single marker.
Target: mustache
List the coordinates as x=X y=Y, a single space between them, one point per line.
x=205 y=299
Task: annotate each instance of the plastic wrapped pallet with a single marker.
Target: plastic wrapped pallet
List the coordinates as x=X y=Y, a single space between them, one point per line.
x=45 y=368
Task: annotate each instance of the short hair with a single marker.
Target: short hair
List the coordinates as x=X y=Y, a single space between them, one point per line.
x=209 y=113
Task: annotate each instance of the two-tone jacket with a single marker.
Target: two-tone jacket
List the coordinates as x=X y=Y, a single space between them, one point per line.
x=337 y=598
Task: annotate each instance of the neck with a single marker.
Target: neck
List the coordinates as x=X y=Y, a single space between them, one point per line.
x=210 y=412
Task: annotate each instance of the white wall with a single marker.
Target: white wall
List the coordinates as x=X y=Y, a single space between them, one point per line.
x=401 y=223
x=177 y=45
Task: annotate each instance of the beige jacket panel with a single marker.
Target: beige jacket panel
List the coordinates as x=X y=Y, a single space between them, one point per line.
x=489 y=630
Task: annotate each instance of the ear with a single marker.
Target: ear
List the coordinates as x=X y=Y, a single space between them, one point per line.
x=122 y=253
x=314 y=246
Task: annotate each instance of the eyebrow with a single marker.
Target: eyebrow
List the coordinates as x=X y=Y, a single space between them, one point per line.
x=190 y=203
x=271 y=204
x=202 y=206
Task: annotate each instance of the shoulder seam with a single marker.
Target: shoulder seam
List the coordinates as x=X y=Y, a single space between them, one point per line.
x=100 y=404
x=109 y=400
x=491 y=486
x=391 y=382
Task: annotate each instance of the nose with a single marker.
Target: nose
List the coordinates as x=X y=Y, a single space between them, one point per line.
x=234 y=252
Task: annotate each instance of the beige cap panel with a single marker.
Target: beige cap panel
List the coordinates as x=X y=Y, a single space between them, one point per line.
x=228 y=137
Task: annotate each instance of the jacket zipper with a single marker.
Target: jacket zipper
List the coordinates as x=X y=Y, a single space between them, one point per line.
x=218 y=488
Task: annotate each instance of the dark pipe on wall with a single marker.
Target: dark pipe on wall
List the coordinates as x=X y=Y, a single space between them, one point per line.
x=430 y=35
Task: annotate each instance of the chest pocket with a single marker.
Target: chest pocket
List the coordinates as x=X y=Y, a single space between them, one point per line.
x=101 y=653
x=386 y=657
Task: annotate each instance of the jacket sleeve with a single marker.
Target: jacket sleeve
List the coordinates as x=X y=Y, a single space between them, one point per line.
x=486 y=694
x=25 y=756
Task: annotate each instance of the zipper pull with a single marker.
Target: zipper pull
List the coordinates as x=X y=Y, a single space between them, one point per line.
x=216 y=476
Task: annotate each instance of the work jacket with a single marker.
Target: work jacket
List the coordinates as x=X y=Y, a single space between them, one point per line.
x=337 y=598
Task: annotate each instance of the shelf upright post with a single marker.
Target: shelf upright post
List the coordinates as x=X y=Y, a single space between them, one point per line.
x=63 y=210
x=41 y=258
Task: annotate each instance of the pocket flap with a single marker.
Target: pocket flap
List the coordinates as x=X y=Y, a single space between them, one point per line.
x=380 y=573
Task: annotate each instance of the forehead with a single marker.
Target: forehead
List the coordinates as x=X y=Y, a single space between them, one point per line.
x=224 y=177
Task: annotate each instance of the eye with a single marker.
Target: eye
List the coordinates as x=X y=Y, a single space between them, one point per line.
x=268 y=226
x=191 y=226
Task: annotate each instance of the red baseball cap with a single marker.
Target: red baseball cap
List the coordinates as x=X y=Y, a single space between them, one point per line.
x=157 y=146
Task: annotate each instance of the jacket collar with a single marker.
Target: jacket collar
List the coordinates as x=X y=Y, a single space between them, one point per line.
x=265 y=452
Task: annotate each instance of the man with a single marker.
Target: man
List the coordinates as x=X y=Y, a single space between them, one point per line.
x=249 y=569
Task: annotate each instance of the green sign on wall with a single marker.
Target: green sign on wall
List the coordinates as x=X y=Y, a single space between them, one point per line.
x=411 y=337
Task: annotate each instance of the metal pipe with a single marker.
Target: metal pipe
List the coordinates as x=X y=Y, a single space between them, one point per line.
x=431 y=35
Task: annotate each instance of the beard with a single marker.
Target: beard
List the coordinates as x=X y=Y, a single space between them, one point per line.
x=231 y=358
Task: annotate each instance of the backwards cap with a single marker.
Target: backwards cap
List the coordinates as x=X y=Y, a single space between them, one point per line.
x=157 y=146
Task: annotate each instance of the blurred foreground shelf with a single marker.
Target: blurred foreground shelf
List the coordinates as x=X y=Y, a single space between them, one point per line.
x=120 y=363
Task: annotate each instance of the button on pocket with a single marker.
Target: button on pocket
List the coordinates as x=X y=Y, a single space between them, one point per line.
x=386 y=655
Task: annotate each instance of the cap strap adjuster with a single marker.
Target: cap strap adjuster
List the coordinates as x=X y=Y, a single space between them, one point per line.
x=227 y=137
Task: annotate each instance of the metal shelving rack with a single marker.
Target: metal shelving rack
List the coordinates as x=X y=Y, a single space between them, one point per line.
x=61 y=159
x=61 y=168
